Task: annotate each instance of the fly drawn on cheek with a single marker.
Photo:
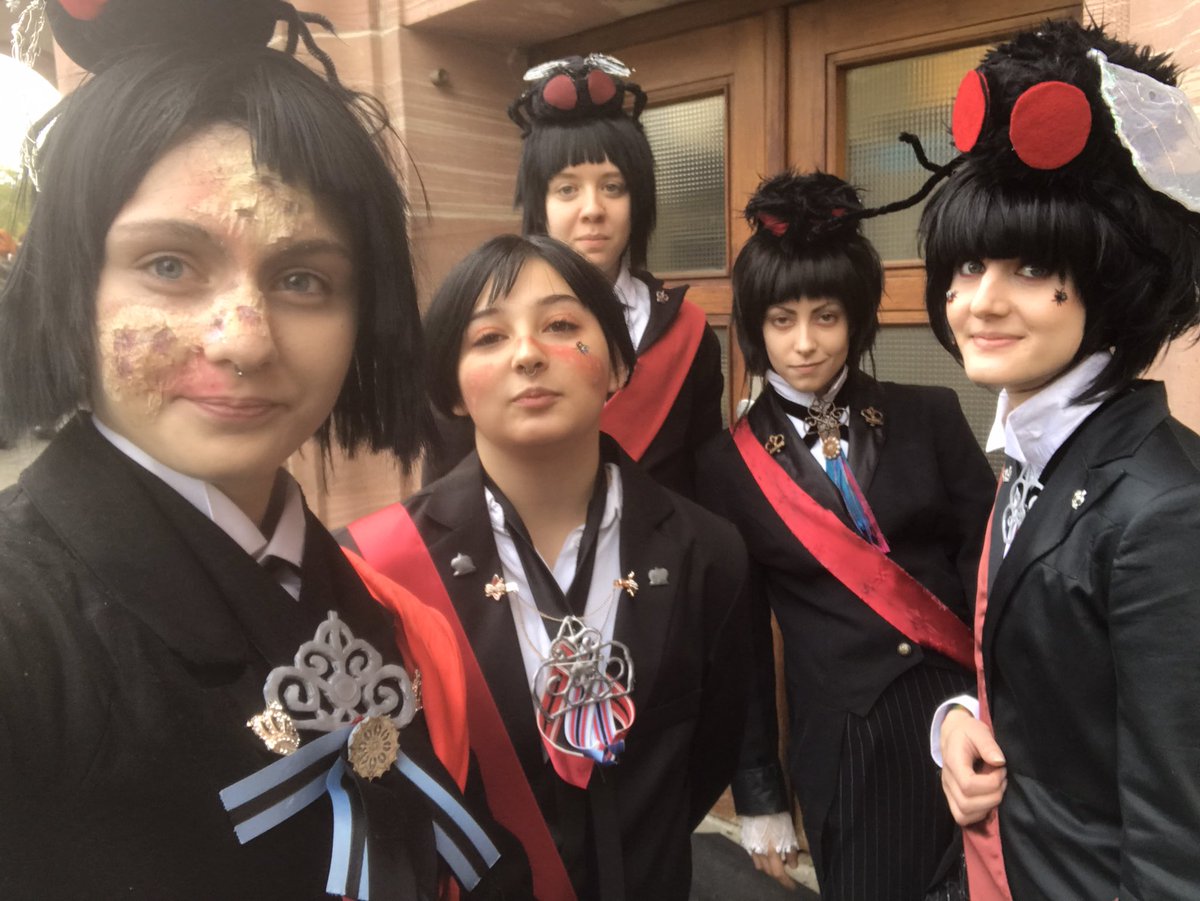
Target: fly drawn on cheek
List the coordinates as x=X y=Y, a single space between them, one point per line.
x=593 y=367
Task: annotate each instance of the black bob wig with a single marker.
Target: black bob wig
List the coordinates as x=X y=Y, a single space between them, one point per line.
x=816 y=257
x=1132 y=253
x=494 y=267
x=551 y=147
x=312 y=132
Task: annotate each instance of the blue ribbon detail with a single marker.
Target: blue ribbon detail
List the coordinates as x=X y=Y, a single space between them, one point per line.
x=267 y=798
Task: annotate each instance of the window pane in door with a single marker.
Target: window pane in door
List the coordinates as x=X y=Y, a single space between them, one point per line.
x=882 y=100
x=688 y=140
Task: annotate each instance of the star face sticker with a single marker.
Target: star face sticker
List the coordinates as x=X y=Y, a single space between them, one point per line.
x=497 y=589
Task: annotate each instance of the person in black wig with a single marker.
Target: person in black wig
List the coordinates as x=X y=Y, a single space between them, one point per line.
x=1063 y=254
x=215 y=271
x=863 y=505
x=555 y=548
x=587 y=179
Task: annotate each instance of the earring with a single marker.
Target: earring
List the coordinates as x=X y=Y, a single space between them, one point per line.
x=1060 y=296
x=951 y=296
x=583 y=348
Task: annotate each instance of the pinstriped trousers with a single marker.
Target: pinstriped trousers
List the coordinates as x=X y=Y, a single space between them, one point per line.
x=889 y=828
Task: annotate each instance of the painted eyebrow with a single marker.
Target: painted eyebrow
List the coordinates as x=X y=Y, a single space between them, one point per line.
x=548 y=301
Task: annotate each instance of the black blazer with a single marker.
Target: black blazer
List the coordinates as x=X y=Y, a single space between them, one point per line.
x=1091 y=646
x=687 y=640
x=930 y=487
x=694 y=417
x=135 y=638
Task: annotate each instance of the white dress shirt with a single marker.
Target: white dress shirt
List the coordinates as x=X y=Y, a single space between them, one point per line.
x=602 y=600
x=287 y=539
x=806 y=398
x=1031 y=434
x=634 y=295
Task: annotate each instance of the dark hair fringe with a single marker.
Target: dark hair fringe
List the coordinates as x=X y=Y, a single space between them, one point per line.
x=114 y=128
x=550 y=148
x=1133 y=255
x=494 y=267
x=767 y=273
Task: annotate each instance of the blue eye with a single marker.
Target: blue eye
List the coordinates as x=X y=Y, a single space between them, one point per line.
x=171 y=268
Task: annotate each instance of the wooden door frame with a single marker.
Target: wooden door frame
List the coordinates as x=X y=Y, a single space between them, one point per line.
x=827 y=37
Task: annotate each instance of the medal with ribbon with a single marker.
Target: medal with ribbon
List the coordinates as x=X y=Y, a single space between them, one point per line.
x=339 y=686
x=582 y=693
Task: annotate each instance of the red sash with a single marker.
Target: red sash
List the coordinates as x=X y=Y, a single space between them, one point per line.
x=634 y=414
x=986 y=876
x=875 y=578
x=390 y=541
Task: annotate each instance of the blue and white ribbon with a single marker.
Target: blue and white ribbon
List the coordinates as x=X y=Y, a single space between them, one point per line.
x=275 y=793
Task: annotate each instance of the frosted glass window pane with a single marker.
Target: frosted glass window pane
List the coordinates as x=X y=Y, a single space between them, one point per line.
x=688 y=140
x=909 y=354
x=882 y=100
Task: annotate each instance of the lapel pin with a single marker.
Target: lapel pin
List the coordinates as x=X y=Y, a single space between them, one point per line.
x=658 y=576
x=873 y=417
x=661 y=296
x=628 y=583
x=1007 y=474
x=1078 y=498
x=774 y=444
x=462 y=565
x=498 y=588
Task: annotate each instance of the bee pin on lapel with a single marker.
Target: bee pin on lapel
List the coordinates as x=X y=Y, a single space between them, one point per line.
x=629 y=583
x=498 y=588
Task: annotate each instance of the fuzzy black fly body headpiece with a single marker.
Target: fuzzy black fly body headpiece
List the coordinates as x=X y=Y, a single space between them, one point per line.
x=805 y=209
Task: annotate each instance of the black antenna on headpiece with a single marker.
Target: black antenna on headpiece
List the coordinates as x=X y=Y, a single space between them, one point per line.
x=298 y=31
x=939 y=173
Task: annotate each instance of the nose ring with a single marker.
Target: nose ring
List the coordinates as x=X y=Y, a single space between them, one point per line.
x=238 y=370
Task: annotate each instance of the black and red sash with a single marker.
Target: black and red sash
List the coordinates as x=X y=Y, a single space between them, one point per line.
x=902 y=601
x=634 y=414
x=390 y=542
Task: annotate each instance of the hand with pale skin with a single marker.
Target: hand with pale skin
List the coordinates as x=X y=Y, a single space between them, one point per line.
x=774 y=865
x=974 y=775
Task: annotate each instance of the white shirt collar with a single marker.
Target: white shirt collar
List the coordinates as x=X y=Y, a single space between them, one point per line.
x=287 y=539
x=634 y=294
x=1034 y=431
x=805 y=398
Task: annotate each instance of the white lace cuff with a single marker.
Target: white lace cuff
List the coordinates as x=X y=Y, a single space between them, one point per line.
x=769 y=831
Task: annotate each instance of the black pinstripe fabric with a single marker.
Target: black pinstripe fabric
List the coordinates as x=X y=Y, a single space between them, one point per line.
x=889 y=828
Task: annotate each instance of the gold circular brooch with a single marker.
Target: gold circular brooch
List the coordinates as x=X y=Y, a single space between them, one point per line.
x=374 y=746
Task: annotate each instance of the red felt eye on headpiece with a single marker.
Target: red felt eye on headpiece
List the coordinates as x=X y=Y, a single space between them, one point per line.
x=601 y=87
x=970 y=110
x=773 y=224
x=559 y=92
x=1050 y=124
x=83 y=9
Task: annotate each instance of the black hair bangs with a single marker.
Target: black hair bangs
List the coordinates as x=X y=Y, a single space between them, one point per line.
x=313 y=133
x=490 y=271
x=765 y=274
x=549 y=149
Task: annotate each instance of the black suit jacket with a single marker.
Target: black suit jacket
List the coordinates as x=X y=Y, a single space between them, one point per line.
x=930 y=488
x=135 y=638
x=687 y=640
x=1091 y=646
x=694 y=417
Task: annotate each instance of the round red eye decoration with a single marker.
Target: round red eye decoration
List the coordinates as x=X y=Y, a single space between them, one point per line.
x=970 y=110
x=773 y=224
x=601 y=87
x=83 y=9
x=559 y=92
x=1050 y=124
